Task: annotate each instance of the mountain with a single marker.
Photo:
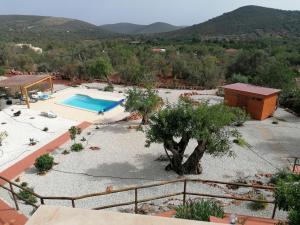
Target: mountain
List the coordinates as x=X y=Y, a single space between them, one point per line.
x=251 y=21
x=130 y=28
x=19 y=27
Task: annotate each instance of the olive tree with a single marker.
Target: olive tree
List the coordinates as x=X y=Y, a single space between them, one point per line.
x=101 y=68
x=176 y=126
x=142 y=101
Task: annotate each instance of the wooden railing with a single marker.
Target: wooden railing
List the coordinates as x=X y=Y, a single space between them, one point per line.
x=136 y=201
x=296 y=162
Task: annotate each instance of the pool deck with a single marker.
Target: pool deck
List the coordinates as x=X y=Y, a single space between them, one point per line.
x=77 y=114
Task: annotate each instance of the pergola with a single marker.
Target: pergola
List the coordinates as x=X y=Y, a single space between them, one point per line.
x=24 y=82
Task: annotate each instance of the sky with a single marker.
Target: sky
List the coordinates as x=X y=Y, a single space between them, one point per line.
x=177 y=12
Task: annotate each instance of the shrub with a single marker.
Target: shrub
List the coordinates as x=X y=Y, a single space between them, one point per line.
x=258 y=205
x=241 y=116
x=26 y=195
x=77 y=147
x=109 y=88
x=287 y=195
x=241 y=142
x=283 y=175
x=291 y=99
x=201 y=210
x=44 y=163
x=238 y=78
x=2 y=71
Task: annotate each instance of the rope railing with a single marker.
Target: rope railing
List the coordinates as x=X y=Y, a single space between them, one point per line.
x=136 y=200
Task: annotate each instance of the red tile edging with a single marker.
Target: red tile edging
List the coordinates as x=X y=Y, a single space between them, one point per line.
x=16 y=169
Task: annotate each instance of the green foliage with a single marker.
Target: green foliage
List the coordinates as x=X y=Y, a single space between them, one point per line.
x=142 y=101
x=256 y=206
x=287 y=195
x=2 y=71
x=27 y=196
x=291 y=99
x=73 y=132
x=241 y=142
x=241 y=116
x=201 y=210
x=207 y=124
x=76 y=147
x=238 y=78
x=283 y=174
x=44 y=163
x=100 y=68
x=109 y=88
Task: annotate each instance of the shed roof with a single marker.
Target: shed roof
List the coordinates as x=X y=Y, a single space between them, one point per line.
x=22 y=80
x=252 y=89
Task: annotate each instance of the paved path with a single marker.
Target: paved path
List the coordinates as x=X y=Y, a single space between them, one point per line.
x=8 y=215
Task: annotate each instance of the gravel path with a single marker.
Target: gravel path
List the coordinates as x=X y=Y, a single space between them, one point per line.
x=124 y=161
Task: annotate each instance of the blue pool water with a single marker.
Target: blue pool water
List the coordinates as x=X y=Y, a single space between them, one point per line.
x=91 y=104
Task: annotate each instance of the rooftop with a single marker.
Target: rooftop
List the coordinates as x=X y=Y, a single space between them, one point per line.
x=22 y=80
x=252 y=89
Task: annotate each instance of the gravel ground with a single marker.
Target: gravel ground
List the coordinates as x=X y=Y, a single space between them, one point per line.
x=123 y=161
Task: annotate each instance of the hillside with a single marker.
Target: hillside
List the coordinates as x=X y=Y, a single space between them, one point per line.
x=129 y=28
x=18 y=27
x=253 y=21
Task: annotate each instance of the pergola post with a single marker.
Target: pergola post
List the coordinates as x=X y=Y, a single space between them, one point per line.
x=51 y=83
x=26 y=97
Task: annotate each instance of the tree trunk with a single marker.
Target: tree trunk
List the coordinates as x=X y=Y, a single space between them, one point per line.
x=177 y=150
x=145 y=119
x=176 y=164
x=192 y=164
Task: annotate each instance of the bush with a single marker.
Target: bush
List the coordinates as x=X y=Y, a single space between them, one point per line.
x=241 y=116
x=258 y=205
x=26 y=195
x=281 y=175
x=291 y=99
x=241 y=142
x=77 y=147
x=44 y=163
x=287 y=195
x=109 y=88
x=201 y=210
x=238 y=78
x=2 y=71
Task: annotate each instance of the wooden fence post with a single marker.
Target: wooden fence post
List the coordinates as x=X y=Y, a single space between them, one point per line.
x=14 y=196
x=274 y=210
x=184 y=192
x=135 y=200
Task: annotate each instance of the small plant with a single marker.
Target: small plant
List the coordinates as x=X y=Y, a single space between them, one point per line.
x=32 y=142
x=109 y=88
x=201 y=210
x=74 y=131
x=282 y=175
x=3 y=135
x=44 y=163
x=287 y=195
x=45 y=129
x=26 y=195
x=241 y=116
x=65 y=152
x=76 y=147
x=24 y=184
x=241 y=142
x=256 y=206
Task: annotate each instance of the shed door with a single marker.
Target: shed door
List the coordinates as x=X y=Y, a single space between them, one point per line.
x=243 y=101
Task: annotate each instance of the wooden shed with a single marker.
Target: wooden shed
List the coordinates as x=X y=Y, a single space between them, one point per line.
x=259 y=102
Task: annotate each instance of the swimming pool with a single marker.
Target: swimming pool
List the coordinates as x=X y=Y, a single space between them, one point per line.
x=90 y=104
